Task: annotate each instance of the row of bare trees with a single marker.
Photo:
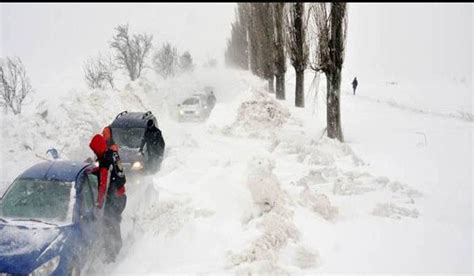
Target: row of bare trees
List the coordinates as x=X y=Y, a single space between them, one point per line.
x=265 y=35
x=130 y=52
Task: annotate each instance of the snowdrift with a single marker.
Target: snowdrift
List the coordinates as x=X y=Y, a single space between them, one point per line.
x=259 y=115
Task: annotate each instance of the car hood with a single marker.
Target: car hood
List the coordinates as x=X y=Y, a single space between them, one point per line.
x=23 y=248
x=129 y=155
x=193 y=107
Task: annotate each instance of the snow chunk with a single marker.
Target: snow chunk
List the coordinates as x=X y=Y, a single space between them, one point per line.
x=318 y=203
x=391 y=210
x=305 y=258
x=263 y=185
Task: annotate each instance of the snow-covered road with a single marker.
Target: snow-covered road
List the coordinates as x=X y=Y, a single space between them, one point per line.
x=201 y=197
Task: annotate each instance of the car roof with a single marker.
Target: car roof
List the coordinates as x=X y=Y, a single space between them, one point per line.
x=200 y=96
x=192 y=97
x=132 y=119
x=55 y=170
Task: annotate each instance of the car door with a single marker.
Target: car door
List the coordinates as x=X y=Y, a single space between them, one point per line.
x=89 y=223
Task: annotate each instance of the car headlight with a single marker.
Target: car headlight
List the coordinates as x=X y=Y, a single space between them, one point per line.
x=46 y=268
x=137 y=165
x=181 y=112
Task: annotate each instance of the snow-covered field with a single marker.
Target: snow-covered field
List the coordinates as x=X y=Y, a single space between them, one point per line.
x=258 y=189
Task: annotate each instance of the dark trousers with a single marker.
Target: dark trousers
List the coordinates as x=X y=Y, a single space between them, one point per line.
x=153 y=163
x=112 y=219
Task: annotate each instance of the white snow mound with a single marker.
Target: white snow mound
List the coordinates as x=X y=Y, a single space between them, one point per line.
x=258 y=117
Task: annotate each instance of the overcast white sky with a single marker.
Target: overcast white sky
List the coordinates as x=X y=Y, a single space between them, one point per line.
x=406 y=41
x=385 y=41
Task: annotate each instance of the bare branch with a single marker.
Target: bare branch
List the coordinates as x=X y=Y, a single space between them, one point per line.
x=15 y=86
x=131 y=51
x=99 y=71
x=296 y=41
x=165 y=60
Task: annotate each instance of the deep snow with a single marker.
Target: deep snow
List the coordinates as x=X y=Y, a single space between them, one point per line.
x=269 y=194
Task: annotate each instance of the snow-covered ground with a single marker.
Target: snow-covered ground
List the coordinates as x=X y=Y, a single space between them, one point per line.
x=258 y=189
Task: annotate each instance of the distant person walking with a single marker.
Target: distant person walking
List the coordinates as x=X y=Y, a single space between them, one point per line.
x=354 y=85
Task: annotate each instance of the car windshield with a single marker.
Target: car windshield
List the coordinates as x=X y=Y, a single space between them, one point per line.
x=128 y=137
x=191 y=101
x=35 y=199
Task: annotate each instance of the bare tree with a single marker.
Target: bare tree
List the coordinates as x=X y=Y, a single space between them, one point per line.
x=279 y=49
x=237 y=45
x=99 y=72
x=14 y=84
x=265 y=29
x=331 y=25
x=165 y=60
x=254 y=48
x=131 y=51
x=186 y=62
x=260 y=40
x=297 y=46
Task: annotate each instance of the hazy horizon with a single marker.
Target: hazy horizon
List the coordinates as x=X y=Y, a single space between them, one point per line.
x=399 y=42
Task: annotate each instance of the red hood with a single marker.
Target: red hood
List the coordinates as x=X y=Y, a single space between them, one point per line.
x=98 y=145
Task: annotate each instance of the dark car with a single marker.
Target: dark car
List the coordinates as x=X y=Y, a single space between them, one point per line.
x=128 y=130
x=48 y=220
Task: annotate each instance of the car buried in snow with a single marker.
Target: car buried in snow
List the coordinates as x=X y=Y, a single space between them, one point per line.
x=128 y=130
x=195 y=108
x=49 y=223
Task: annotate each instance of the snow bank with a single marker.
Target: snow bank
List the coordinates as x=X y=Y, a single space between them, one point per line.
x=258 y=116
x=272 y=217
x=66 y=125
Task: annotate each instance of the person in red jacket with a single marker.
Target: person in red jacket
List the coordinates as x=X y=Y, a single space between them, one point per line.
x=107 y=133
x=111 y=194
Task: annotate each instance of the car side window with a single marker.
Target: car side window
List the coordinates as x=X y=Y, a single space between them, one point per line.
x=94 y=184
x=87 y=196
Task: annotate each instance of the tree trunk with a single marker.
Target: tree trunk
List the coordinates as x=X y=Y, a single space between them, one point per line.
x=333 y=75
x=280 y=86
x=333 y=108
x=280 y=60
x=271 y=87
x=299 y=89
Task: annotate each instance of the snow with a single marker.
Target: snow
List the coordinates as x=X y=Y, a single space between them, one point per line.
x=26 y=240
x=257 y=188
